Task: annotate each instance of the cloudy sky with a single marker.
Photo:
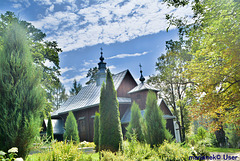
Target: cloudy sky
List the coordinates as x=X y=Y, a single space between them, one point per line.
x=129 y=31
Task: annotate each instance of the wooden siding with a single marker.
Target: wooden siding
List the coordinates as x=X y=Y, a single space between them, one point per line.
x=127 y=84
x=140 y=98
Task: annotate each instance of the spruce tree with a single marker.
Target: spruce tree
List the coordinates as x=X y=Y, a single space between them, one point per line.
x=110 y=127
x=134 y=124
x=96 y=131
x=155 y=131
x=71 y=128
x=50 y=129
x=21 y=95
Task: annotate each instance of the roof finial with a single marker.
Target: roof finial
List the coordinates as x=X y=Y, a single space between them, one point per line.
x=101 y=58
x=142 y=79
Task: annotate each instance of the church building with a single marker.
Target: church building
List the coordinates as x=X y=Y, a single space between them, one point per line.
x=86 y=102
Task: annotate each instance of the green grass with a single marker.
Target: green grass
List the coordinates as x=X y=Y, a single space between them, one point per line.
x=228 y=150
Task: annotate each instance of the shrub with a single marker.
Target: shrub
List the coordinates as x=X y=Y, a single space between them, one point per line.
x=21 y=95
x=134 y=124
x=50 y=129
x=61 y=151
x=233 y=136
x=173 y=151
x=71 y=128
x=96 y=131
x=110 y=126
x=154 y=126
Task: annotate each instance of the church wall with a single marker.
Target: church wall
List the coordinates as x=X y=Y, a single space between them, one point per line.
x=127 y=84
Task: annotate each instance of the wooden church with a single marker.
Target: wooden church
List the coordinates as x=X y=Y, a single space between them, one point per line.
x=86 y=103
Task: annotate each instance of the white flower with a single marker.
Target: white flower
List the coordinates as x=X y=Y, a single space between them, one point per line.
x=13 y=150
x=19 y=159
x=2 y=153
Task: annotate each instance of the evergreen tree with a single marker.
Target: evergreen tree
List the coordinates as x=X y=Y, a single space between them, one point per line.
x=134 y=124
x=21 y=95
x=155 y=131
x=96 y=131
x=50 y=129
x=76 y=88
x=71 y=128
x=60 y=96
x=110 y=127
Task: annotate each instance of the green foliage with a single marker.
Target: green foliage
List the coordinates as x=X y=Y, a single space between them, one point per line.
x=134 y=124
x=61 y=151
x=175 y=87
x=96 y=130
x=201 y=133
x=173 y=151
x=21 y=95
x=76 y=88
x=59 y=95
x=41 y=52
x=154 y=125
x=233 y=136
x=110 y=126
x=71 y=128
x=92 y=74
x=50 y=129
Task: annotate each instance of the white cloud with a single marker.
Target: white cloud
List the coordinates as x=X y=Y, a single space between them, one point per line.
x=64 y=80
x=106 y=22
x=66 y=69
x=127 y=55
x=20 y=3
x=17 y=5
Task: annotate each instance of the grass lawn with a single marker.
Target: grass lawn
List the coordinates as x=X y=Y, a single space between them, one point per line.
x=228 y=150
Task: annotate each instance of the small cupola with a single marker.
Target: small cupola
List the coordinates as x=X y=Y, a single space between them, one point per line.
x=101 y=74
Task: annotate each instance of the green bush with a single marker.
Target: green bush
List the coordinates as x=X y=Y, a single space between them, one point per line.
x=61 y=151
x=134 y=124
x=110 y=126
x=21 y=94
x=154 y=126
x=96 y=131
x=173 y=152
x=71 y=128
x=233 y=136
x=50 y=129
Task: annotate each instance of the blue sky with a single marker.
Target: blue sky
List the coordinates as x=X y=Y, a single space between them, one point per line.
x=129 y=31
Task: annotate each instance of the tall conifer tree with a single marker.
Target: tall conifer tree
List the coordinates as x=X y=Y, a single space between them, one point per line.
x=110 y=127
x=71 y=128
x=21 y=95
x=50 y=129
x=134 y=124
x=155 y=131
x=96 y=131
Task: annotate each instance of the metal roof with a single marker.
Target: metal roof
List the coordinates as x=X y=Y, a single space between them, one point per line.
x=141 y=87
x=127 y=116
x=58 y=126
x=89 y=96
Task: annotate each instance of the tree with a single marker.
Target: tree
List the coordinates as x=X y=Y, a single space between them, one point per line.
x=76 y=88
x=41 y=51
x=174 y=85
x=60 y=96
x=21 y=94
x=92 y=74
x=96 y=131
x=110 y=126
x=71 y=128
x=214 y=37
x=155 y=131
x=50 y=129
x=134 y=124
